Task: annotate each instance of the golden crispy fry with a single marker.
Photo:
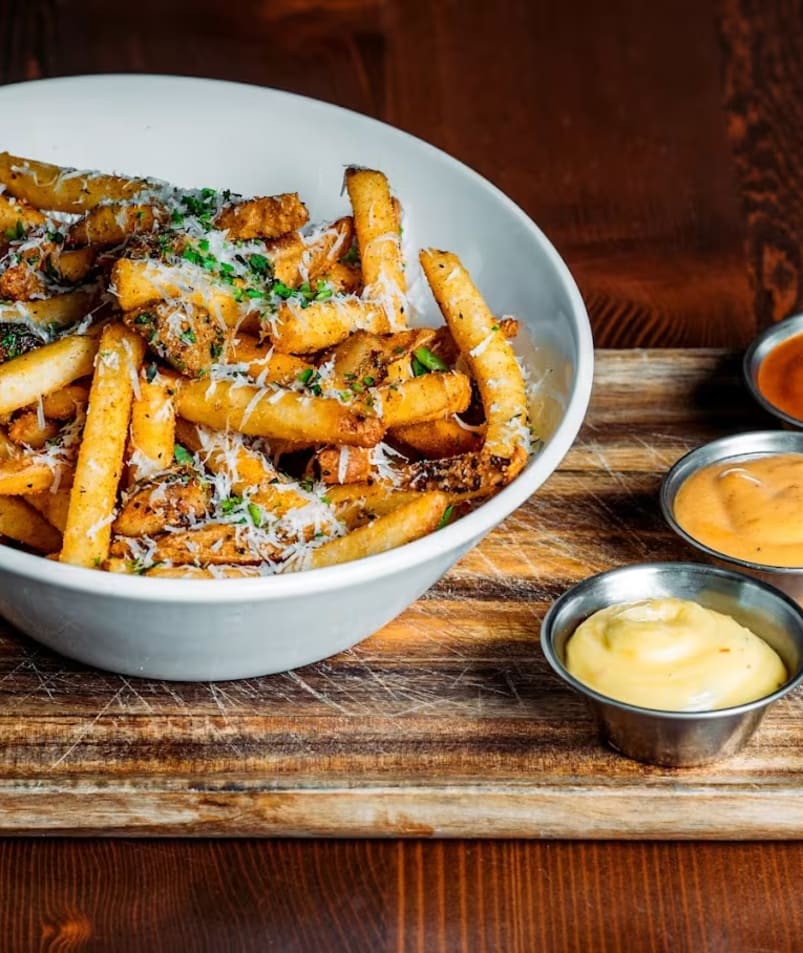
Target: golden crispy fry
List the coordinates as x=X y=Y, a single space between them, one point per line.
x=65 y=403
x=344 y=464
x=138 y=284
x=100 y=457
x=439 y=438
x=343 y=279
x=24 y=474
x=52 y=504
x=22 y=523
x=73 y=265
x=107 y=225
x=429 y=397
x=322 y=324
x=286 y=254
x=275 y=413
x=153 y=428
x=61 y=189
x=364 y=355
x=8 y=449
x=28 y=430
x=323 y=253
x=376 y=221
x=213 y=544
x=410 y=521
x=264 y=364
x=358 y=503
x=60 y=311
x=47 y=369
x=174 y=499
x=266 y=217
x=487 y=352
x=250 y=473
x=17 y=216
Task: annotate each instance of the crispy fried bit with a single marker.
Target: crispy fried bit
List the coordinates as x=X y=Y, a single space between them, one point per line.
x=21 y=282
x=215 y=544
x=343 y=465
x=266 y=217
x=174 y=498
x=187 y=336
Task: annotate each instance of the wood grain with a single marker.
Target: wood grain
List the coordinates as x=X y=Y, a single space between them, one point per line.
x=405 y=897
x=447 y=722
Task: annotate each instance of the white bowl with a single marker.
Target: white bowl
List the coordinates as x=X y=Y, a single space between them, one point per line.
x=202 y=132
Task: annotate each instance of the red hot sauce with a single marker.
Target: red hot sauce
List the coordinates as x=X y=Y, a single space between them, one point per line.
x=780 y=376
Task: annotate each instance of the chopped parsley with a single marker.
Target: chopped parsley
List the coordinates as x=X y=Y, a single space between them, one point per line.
x=182 y=455
x=447 y=515
x=428 y=361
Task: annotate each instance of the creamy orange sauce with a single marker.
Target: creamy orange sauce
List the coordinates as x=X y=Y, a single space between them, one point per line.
x=672 y=655
x=751 y=509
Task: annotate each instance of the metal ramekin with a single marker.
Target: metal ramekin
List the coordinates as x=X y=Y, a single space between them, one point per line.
x=734 y=449
x=672 y=738
x=767 y=341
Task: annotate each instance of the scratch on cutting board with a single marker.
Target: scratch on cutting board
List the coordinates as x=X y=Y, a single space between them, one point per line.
x=85 y=729
x=298 y=680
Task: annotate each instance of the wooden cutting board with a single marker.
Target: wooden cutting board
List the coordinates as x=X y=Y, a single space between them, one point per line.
x=448 y=721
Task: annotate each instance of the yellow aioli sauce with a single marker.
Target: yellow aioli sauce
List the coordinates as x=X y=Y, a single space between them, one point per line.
x=672 y=655
x=751 y=509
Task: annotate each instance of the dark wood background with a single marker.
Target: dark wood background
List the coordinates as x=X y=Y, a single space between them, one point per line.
x=659 y=146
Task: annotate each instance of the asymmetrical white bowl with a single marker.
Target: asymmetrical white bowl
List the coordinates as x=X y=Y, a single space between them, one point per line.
x=258 y=141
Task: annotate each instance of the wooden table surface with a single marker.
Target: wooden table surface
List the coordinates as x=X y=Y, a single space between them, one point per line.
x=658 y=146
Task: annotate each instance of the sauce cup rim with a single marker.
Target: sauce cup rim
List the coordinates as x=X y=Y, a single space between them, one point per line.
x=591 y=582
x=760 y=347
x=685 y=466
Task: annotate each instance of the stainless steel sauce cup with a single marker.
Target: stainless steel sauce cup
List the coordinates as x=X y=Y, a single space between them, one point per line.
x=677 y=738
x=734 y=449
x=767 y=341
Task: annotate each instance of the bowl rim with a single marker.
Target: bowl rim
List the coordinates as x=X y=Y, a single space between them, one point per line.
x=700 y=569
x=683 y=468
x=462 y=533
x=755 y=355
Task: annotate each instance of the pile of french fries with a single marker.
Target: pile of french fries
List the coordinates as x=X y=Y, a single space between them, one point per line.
x=198 y=384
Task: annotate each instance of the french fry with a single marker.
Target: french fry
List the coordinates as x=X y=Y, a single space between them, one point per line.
x=266 y=217
x=439 y=438
x=100 y=457
x=420 y=399
x=107 y=225
x=275 y=413
x=323 y=253
x=28 y=430
x=364 y=355
x=24 y=474
x=410 y=521
x=60 y=311
x=153 y=427
x=376 y=222
x=265 y=364
x=175 y=499
x=17 y=216
x=250 y=473
x=286 y=254
x=117 y=564
x=65 y=403
x=357 y=503
x=24 y=379
x=487 y=352
x=213 y=544
x=52 y=504
x=8 y=449
x=322 y=324
x=21 y=522
x=139 y=283
x=64 y=190
x=74 y=264
x=344 y=464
